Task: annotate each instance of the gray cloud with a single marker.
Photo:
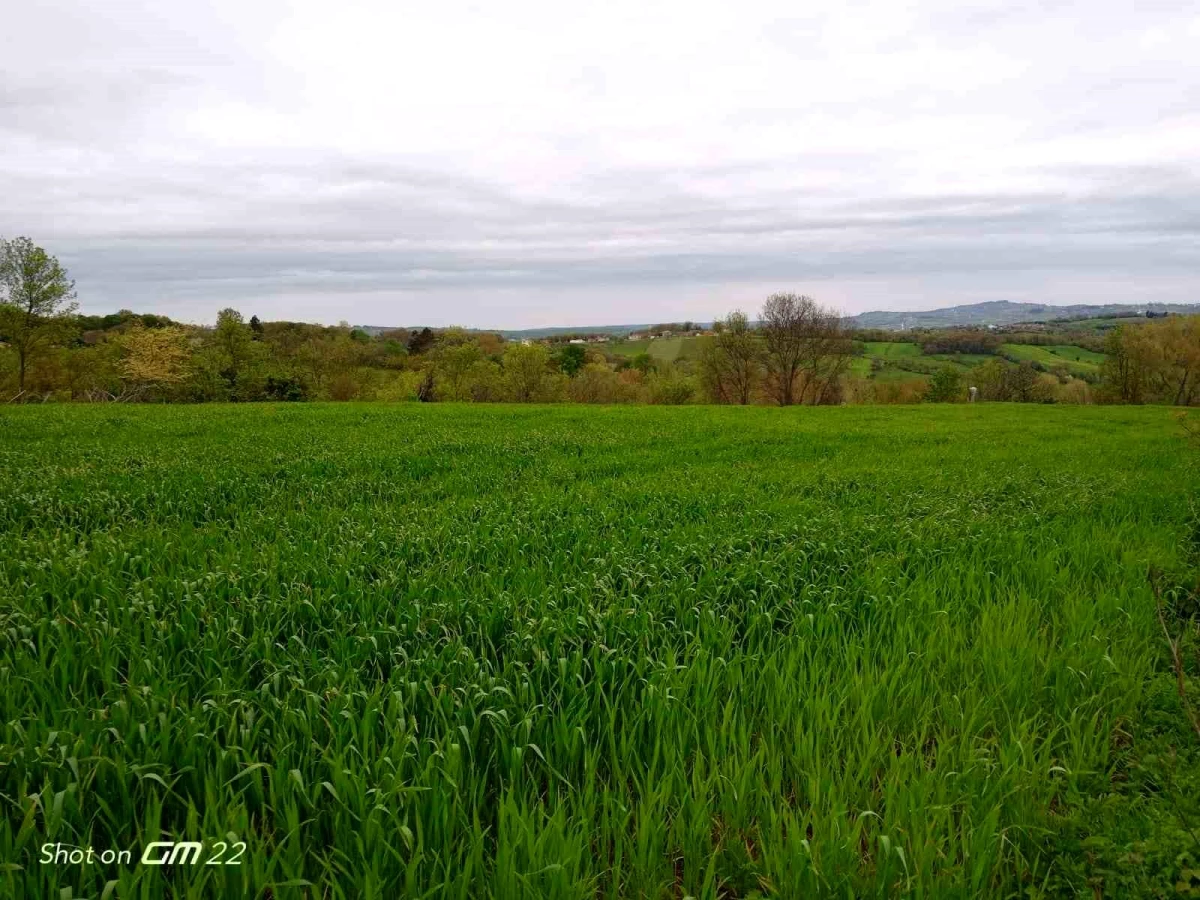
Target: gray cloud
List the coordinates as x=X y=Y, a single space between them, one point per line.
x=569 y=176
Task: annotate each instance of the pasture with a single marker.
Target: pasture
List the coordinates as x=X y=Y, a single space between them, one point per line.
x=1076 y=360
x=666 y=350
x=499 y=651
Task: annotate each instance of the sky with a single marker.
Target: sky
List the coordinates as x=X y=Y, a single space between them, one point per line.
x=525 y=164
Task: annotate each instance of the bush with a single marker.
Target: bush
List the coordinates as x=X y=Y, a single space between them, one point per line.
x=285 y=388
x=946 y=386
x=670 y=388
x=597 y=383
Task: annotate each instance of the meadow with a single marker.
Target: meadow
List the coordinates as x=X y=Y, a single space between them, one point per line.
x=519 y=651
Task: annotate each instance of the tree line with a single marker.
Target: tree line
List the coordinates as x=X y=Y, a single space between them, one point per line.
x=795 y=352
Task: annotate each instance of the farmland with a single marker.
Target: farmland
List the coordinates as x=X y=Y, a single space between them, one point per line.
x=470 y=651
x=664 y=350
x=890 y=361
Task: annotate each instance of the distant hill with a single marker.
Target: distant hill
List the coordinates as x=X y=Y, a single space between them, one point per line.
x=993 y=312
x=1004 y=312
x=533 y=333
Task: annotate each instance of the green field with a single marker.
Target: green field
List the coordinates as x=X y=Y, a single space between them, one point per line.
x=499 y=651
x=891 y=349
x=966 y=360
x=1073 y=359
x=666 y=350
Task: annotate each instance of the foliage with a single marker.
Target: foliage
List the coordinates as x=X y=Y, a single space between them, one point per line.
x=527 y=373
x=86 y=358
x=571 y=358
x=671 y=388
x=154 y=356
x=1154 y=362
x=961 y=340
x=946 y=386
x=36 y=296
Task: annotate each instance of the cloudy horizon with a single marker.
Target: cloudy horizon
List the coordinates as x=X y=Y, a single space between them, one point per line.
x=530 y=164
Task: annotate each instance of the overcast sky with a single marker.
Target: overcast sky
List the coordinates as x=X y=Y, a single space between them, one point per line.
x=516 y=163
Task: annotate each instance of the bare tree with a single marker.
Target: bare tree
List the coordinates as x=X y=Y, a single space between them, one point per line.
x=35 y=298
x=732 y=362
x=807 y=350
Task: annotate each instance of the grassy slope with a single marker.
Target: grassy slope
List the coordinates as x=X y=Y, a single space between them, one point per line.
x=1075 y=359
x=583 y=652
x=890 y=349
x=666 y=350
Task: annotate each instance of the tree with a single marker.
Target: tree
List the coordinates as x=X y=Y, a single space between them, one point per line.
x=1022 y=382
x=807 y=349
x=452 y=360
x=571 y=358
x=420 y=341
x=525 y=372
x=1124 y=372
x=232 y=339
x=36 y=296
x=730 y=364
x=256 y=328
x=945 y=386
x=643 y=362
x=485 y=382
x=1176 y=374
x=153 y=357
x=597 y=383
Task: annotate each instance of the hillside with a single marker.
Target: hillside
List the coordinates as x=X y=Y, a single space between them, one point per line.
x=1005 y=312
x=994 y=312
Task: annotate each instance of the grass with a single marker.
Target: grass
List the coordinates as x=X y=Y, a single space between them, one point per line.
x=457 y=651
x=666 y=350
x=1075 y=359
x=890 y=349
x=966 y=360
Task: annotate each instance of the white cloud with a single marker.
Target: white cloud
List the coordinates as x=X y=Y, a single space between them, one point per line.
x=405 y=162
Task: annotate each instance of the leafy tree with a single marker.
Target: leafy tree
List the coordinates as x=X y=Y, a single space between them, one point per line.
x=284 y=388
x=597 y=383
x=485 y=381
x=1158 y=362
x=36 y=296
x=256 y=328
x=572 y=358
x=525 y=372
x=490 y=344
x=231 y=340
x=1022 y=382
x=945 y=386
x=420 y=341
x=153 y=357
x=671 y=387
x=643 y=362
x=452 y=361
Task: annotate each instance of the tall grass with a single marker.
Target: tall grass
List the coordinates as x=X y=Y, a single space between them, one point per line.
x=557 y=652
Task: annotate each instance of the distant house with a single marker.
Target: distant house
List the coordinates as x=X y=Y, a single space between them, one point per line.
x=576 y=341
